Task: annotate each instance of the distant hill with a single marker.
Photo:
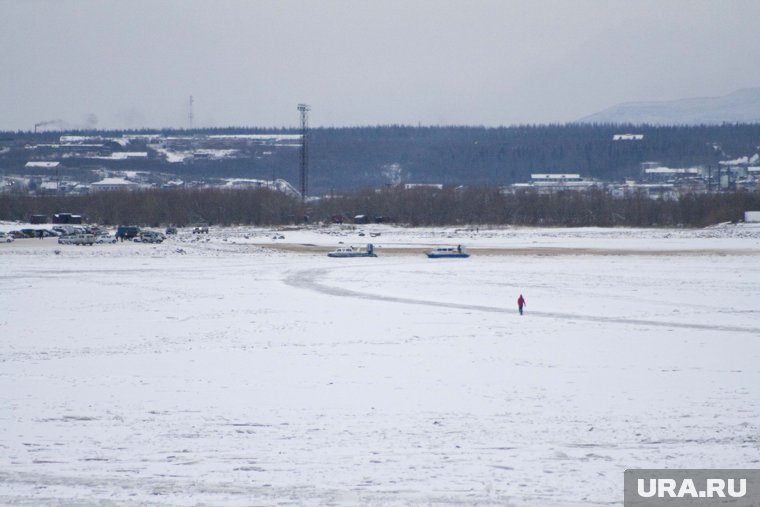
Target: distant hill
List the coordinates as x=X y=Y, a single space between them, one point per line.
x=342 y=159
x=741 y=106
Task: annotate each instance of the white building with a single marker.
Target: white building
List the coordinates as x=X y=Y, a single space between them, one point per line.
x=42 y=165
x=113 y=184
x=650 y=190
x=553 y=182
x=410 y=186
x=662 y=173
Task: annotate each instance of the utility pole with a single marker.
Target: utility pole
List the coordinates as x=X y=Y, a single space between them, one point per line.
x=304 y=109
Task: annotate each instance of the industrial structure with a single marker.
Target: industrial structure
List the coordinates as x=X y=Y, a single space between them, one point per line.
x=304 y=109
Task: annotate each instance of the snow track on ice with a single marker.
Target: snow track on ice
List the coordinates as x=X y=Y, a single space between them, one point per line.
x=311 y=279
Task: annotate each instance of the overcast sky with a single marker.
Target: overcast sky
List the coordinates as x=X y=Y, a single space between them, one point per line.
x=116 y=64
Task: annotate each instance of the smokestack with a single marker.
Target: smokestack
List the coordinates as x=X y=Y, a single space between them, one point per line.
x=49 y=122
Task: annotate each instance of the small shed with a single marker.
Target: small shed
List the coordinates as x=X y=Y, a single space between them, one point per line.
x=67 y=218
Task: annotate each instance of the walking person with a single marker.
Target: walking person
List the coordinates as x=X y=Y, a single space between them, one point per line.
x=520 y=303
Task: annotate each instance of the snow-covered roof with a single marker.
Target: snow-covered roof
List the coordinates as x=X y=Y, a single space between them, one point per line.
x=79 y=139
x=213 y=153
x=259 y=137
x=669 y=170
x=565 y=183
x=241 y=182
x=122 y=155
x=549 y=176
x=44 y=165
x=628 y=137
x=114 y=182
x=408 y=186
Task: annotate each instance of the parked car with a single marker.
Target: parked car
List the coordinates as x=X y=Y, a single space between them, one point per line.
x=105 y=238
x=5 y=238
x=63 y=230
x=150 y=237
x=171 y=230
x=84 y=239
x=77 y=239
x=95 y=230
x=200 y=228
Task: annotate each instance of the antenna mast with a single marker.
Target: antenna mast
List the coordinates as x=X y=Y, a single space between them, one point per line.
x=304 y=109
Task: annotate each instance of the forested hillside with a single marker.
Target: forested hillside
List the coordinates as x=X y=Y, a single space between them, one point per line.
x=352 y=158
x=342 y=159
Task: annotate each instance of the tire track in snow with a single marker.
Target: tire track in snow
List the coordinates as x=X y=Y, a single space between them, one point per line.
x=310 y=279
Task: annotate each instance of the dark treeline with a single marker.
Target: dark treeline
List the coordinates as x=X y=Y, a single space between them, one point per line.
x=349 y=159
x=180 y=207
x=421 y=206
x=486 y=205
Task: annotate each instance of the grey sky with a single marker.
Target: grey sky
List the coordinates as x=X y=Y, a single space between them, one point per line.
x=473 y=62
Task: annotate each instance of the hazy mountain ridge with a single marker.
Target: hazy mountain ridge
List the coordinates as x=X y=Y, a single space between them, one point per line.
x=741 y=106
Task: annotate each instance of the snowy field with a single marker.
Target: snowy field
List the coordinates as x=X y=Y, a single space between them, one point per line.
x=245 y=367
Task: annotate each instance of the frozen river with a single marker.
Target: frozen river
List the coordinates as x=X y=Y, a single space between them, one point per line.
x=238 y=370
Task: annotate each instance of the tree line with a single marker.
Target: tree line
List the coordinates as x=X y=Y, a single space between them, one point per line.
x=485 y=205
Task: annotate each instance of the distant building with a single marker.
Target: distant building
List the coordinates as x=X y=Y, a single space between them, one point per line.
x=740 y=173
x=277 y=185
x=67 y=218
x=661 y=173
x=49 y=186
x=553 y=182
x=628 y=137
x=651 y=190
x=246 y=183
x=173 y=184
x=113 y=184
x=410 y=186
x=120 y=155
x=42 y=165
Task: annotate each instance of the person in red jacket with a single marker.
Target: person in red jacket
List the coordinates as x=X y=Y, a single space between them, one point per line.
x=520 y=303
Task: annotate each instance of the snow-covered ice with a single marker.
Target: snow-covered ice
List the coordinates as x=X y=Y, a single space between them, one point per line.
x=247 y=368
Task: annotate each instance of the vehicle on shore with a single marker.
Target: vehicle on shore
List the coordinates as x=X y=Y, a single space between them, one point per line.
x=127 y=232
x=201 y=228
x=452 y=252
x=150 y=237
x=6 y=238
x=77 y=239
x=349 y=251
x=105 y=238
